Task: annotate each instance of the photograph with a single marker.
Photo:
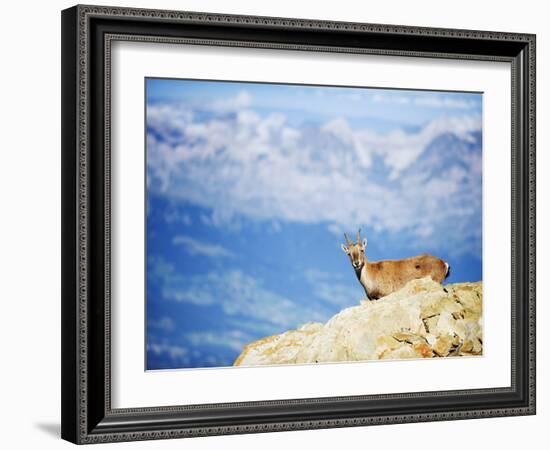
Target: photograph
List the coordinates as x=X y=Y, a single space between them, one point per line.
x=310 y=224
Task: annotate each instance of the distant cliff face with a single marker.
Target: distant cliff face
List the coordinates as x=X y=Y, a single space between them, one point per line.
x=421 y=320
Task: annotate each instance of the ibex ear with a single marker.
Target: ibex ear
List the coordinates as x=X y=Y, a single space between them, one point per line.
x=345 y=249
x=364 y=243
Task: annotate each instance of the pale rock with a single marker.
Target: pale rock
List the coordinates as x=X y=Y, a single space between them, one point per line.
x=421 y=320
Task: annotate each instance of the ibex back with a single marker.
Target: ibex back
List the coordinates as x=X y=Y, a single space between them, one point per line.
x=381 y=278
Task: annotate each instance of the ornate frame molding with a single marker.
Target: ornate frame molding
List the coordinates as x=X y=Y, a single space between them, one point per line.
x=86 y=421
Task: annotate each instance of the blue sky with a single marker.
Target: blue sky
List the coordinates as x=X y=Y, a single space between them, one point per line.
x=250 y=187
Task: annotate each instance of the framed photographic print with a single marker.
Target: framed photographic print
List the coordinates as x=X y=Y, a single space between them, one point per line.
x=281 y=224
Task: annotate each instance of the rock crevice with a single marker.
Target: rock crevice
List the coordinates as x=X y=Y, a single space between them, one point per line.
x=421 y=320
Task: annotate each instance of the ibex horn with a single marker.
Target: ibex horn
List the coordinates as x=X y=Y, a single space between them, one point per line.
x=359 y=235
x=347 y=239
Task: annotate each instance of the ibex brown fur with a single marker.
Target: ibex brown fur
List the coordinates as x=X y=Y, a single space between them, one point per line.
x=381 y=278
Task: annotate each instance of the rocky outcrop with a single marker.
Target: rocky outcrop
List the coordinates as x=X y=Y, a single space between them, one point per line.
x=421 y=320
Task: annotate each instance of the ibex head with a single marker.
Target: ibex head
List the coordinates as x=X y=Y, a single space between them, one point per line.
x=355 y=251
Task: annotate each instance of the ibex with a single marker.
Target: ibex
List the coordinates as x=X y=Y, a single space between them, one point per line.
x=384 y=277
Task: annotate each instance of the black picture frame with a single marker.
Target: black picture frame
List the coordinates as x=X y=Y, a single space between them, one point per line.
x=87 y=415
